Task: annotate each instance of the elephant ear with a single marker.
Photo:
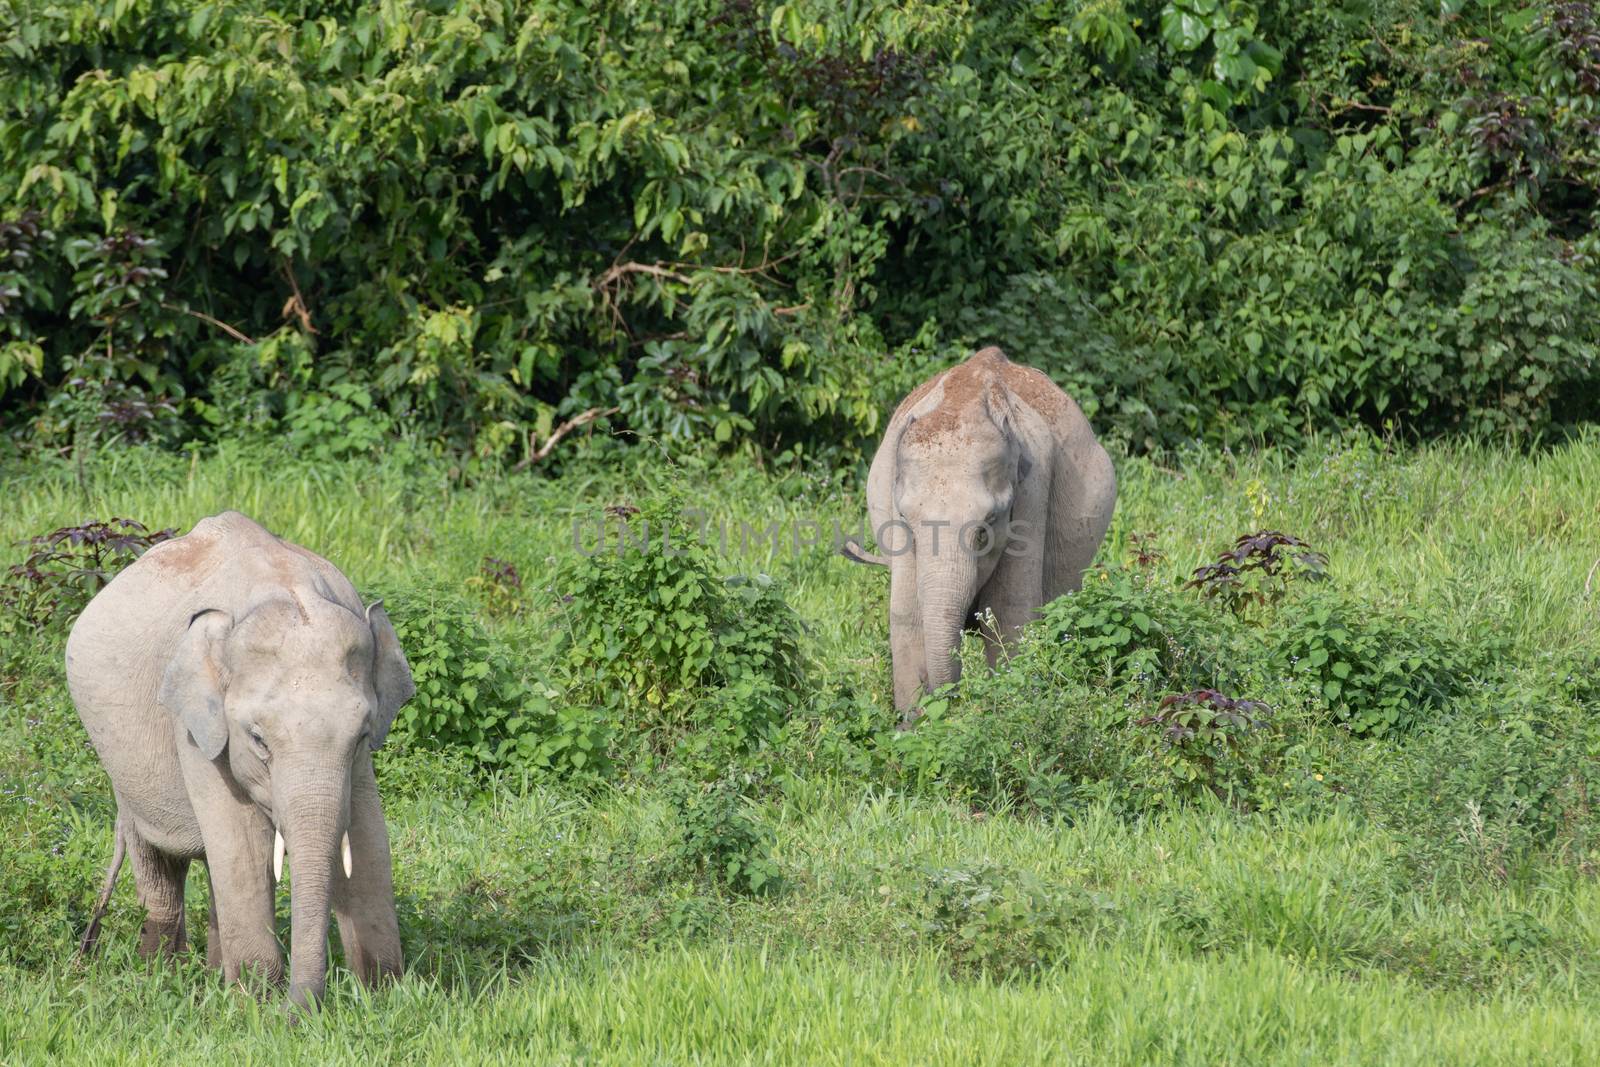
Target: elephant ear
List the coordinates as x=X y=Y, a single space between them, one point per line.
x=391 y=674
x=998 y=406
x=997 y=402
x=193 y=685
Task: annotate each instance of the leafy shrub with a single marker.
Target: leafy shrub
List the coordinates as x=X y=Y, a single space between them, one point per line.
x=481 y=221
x=1125 y=628
x=1517 y=933
x=720 y=839
x=1201 y=728
x=1022 y=737
x=668 y=648
x=1376 y=672
x=992 y=921
x=340 y=422
x=470 y=698
x=699 y=298
x=1118 y=694
x=1510 y=775
x=839 y=732
x=67 y=567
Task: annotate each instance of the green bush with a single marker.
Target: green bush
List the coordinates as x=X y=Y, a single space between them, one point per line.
x=672 y=652
x=1142 y=696
x=1256 y=573
x=1377 y=672
x=338 y=423
x=1509 y=775
x=65 y=568
x=720 y=839
x=1128 y=627
x=1201 y=733
x=988 y=920
x=470 y=698
x=1021 y=738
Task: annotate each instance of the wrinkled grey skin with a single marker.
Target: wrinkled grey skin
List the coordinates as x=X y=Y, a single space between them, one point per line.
x=988 y=442
x=231 y=683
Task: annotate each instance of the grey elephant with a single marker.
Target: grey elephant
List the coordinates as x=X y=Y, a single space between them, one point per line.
x=988 y=494
x=235 y=687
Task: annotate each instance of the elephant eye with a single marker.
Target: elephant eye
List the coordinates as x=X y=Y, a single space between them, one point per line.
x=259 y=742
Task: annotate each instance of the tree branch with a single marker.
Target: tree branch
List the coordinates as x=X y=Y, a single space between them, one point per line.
x=559 y=432
x=218 y=323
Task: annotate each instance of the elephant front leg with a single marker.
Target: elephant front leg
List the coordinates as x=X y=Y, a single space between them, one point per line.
x=238 y=839
x=363 y=903
x=1013 y=595
x=213 y=936
x=906 y=649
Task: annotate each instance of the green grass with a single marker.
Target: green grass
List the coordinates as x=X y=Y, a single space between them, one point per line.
x=544 y=924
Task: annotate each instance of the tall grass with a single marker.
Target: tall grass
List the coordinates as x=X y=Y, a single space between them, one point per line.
x=1466 y=529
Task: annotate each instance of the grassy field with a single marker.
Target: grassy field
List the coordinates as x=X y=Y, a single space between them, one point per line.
x=1438 y=910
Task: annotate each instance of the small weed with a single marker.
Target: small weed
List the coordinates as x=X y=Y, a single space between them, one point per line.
x=721 y=841
x=671 y=649
x=998 y=922
x=498 y=586
x=471 y=698
x=1201 y=727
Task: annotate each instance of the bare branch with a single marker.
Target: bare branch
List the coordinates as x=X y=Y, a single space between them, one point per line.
x=218 y=323
x=561 y=431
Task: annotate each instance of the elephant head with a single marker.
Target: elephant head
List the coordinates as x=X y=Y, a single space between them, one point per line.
x=957 y=471
x=293 y=693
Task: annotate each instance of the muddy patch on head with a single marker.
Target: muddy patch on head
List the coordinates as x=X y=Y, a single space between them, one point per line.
x=966 y=390
x=194 y=554
x=300 y=606
x=1036 y=390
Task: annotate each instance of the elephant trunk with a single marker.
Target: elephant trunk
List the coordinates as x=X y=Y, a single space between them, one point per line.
x=315 y=815
x=946 y=588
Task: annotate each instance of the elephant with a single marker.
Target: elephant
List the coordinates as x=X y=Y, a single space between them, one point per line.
x=235 y=688
x=989 y=493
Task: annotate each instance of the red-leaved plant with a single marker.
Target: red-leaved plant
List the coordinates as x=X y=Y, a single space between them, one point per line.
x=1257 y=570
x=66 y=567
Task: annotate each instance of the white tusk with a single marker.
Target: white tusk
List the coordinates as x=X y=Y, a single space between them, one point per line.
x=277 y=856
x=344 y=850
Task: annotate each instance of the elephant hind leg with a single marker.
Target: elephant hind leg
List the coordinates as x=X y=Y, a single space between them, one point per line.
x=119 y=851
x=1082 y=499
x=160 y=879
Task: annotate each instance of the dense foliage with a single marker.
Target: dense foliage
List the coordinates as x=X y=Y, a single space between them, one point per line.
x=756 y=222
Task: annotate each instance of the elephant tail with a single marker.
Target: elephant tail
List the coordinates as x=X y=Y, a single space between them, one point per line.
x=852 y=550
x=119 y=852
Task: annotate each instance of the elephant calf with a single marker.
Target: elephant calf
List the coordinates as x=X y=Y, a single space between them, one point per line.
x=235 y=687
x=989 y=493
